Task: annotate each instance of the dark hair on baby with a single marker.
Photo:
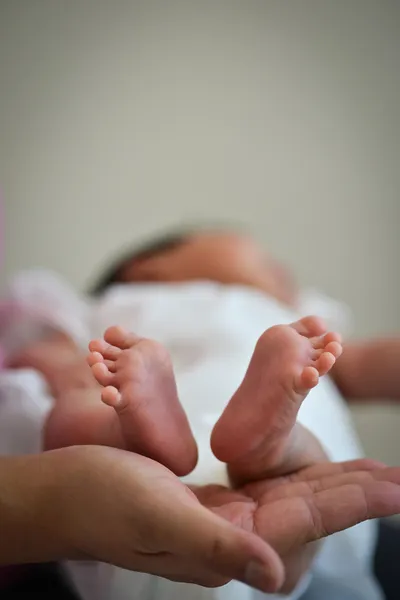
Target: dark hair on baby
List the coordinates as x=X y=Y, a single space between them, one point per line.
x=161 y=243
x=148 y=250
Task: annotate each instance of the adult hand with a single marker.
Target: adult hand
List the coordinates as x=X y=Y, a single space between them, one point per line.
x=118 y=507
x=301 y=468
x=128 y=510
x=291 y=512
x=300 y=450
x=108 y=505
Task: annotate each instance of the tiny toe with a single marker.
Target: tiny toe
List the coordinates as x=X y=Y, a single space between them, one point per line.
x=307 y=380
x=97 y=346
x=111 y=396
x=119 y=337
x=309 y=326
x=107 y=350
x=102 y=374
x=315 y=354
x=320 y=342
x=111 y=352
x=325 y=363
x=94 y=358
x=317 y=342
x=332 y=336
x=111 y=366
x=334 y=348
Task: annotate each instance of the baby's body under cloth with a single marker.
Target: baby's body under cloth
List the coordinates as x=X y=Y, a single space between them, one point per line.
x=210 y=331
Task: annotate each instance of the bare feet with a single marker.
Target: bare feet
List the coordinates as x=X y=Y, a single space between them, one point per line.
x=139 y=384
x=257 y=434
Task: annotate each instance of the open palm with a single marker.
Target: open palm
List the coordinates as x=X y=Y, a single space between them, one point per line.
x=291 y=512
x=211 y=534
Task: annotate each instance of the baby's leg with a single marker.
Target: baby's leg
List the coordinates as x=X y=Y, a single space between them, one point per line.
x=139 y=385
x=257 y=433
x=78 y=418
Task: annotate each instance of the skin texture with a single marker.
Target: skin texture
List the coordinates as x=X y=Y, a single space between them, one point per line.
x=290 y=506
x=257 y=434
x=281 y=506
x=98 y=503
x=108 y=505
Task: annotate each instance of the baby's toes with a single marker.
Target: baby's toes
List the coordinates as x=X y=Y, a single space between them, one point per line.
x=102 y=374
x=111 y=396
x=307 y=380
x=93 y=358
x=334 y=348
x=120 y=338
x=320 y=342
x=108 y=351
x=325 y=363
x=309 y=327
x=332 y=336
x=315 y=354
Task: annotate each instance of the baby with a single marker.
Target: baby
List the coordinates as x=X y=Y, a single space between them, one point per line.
x=367 y=370
x=208 y=297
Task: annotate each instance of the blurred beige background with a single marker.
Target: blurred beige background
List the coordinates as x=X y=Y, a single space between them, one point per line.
x=118 y=118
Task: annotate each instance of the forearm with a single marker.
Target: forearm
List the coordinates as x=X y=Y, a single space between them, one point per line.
x=29 y=509
x=369 y=370
x=81 y=418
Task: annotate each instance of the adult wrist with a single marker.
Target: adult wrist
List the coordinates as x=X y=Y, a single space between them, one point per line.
x=32 y=508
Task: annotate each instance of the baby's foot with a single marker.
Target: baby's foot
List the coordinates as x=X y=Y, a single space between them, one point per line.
x=139 y=384
x=257 y=432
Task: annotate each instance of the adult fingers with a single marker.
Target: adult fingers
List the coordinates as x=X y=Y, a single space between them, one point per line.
x=291 y=522
x=327 y=468
x=306 y=488
x=314 y=473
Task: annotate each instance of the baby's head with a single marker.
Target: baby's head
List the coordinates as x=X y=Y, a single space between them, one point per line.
x=221 y=256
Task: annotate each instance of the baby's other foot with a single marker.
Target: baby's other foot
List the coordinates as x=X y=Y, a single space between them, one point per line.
x=256 y=433
x=139 y=384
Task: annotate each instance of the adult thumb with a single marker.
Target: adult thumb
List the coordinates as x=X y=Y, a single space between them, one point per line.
x=216 y=545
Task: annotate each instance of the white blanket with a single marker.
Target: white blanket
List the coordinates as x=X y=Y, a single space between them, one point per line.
x=211 y=331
